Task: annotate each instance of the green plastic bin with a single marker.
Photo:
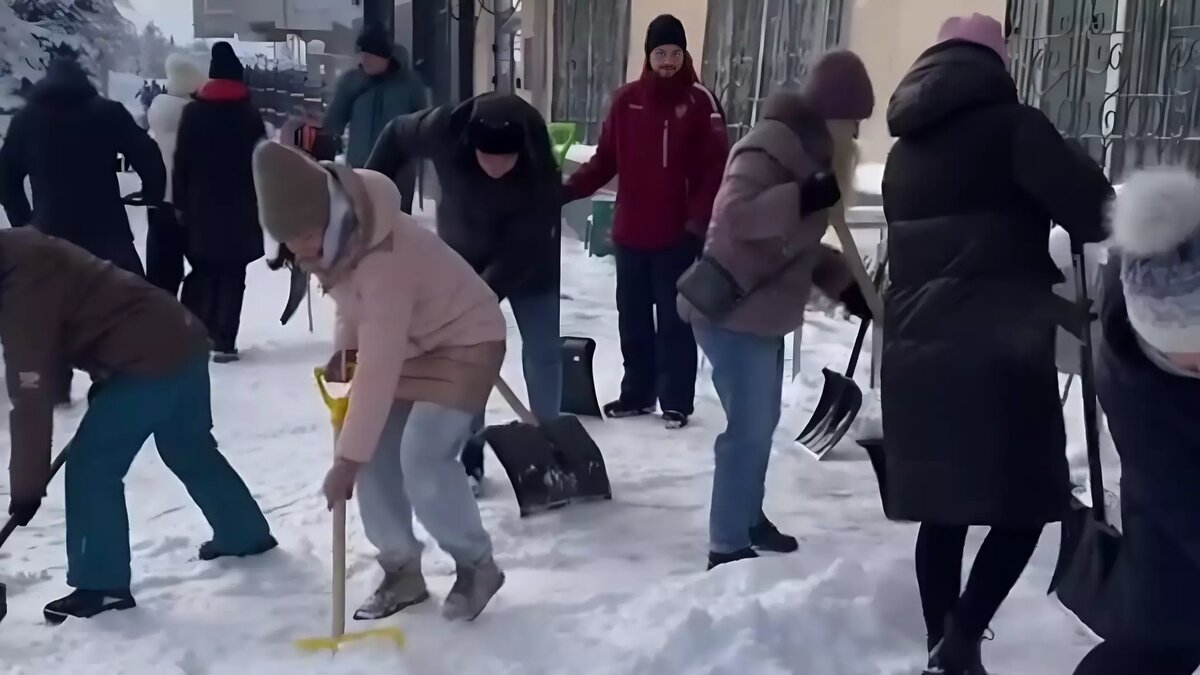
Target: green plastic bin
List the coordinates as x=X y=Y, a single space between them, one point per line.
x=562 y=137
x=600 y=224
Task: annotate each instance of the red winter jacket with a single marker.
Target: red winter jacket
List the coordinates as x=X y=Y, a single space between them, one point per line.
x=665 y=139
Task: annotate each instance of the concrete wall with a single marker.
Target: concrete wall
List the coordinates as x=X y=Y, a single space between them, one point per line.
x=889 y=35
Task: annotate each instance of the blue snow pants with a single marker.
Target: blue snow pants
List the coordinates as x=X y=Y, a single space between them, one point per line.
x=124 y=413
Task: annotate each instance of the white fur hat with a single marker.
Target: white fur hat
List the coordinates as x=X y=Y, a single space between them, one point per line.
x=184 y=75
x=1155 y=223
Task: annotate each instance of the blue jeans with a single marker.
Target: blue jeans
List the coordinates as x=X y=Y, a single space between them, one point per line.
x=537 y=318
x=747 y=371
x=127 y=410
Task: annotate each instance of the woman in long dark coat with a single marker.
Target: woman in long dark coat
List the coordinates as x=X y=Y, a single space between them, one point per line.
x=214 y=191
x=971 y=411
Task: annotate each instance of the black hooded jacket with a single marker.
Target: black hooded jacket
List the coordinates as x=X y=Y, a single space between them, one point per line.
x=66 y=141
x=971 y=411
x=506 y=228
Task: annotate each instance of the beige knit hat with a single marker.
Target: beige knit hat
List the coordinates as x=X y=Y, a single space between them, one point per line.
x=293 y=191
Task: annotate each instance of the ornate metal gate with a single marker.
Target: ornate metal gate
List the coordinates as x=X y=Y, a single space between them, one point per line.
x=591 y=46
x=751 y=47
x=1119 y=76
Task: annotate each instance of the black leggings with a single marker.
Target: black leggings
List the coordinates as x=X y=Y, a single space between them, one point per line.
x=1001 y=560
x=1132 y=658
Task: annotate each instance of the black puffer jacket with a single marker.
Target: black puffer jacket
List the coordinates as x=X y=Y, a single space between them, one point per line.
x=506 y=228
x=66 y=141
x=971 y=409
x=1153 y=419
x=212 y=180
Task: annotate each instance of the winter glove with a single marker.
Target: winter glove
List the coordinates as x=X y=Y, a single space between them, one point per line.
x=334 y=371
x=819 y=192
x=339 y=482
x=23 y=510
x=853 y=300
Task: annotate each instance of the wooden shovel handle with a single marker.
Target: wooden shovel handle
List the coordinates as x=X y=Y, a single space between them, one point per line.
x=514 y=402
x=837 y=219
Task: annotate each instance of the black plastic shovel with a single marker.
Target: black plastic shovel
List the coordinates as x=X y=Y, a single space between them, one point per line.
x=841 y=399
x=11 y=526
x=551 y=464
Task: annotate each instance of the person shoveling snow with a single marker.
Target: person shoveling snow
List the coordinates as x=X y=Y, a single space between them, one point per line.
x=148 y=358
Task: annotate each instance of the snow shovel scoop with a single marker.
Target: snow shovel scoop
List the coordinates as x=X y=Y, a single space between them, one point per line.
x=338 y=405
x=1090 y=550
x=550 y=465
x=841 y=399
x=11 y=526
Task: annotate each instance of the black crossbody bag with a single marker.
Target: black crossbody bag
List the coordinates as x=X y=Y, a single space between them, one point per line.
x=713 y=291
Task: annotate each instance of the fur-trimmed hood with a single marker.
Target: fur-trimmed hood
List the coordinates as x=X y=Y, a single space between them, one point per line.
x=184 y=75
x=1156 y=211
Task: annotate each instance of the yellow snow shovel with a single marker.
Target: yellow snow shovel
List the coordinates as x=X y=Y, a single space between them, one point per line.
x=338 y=405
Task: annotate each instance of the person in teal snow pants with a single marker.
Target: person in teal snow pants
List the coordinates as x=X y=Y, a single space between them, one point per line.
x=148 y=358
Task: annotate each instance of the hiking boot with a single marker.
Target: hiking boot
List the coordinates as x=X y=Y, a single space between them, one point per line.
x=766 y=537
x=401 y=588
x=84 y=604
x=958 y=653
x=715 y=559
x=620 y=410
x=675 y=419
x=209 y=551
x=472 y=590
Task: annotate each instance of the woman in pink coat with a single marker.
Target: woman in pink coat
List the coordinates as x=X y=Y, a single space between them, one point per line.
x=427 y=336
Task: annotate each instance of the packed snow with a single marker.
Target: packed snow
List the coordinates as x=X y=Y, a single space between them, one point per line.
x=614 y=587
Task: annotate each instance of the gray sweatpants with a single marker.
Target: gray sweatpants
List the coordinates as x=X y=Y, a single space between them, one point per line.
x=416 y=469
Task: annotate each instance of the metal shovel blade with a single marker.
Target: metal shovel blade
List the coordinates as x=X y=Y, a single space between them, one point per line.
x=840 y=401
x=550 y=465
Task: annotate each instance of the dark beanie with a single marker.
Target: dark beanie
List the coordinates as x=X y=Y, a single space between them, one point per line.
x=838 y=87
x=225 y=64
x=376 y=42
x=665 y=30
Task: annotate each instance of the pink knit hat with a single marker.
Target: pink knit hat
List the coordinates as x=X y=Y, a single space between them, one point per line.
x=981 y=29
x=839 y=88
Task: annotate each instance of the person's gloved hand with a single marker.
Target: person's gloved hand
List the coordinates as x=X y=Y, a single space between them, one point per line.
x=819 y=192
x=855 y=302
x=23 y=510
x=339 y=482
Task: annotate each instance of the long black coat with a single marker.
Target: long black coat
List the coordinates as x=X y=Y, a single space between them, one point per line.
x=971 y=411
x=213 y=182
x=66 y=141
x=1154 y=420
x=506 y=228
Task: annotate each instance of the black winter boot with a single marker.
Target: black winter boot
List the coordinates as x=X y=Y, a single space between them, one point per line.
x=619 y=410
x=766 y=537
x=715 y=559
x=84 y=604
x=958 y=653
x=209 y=551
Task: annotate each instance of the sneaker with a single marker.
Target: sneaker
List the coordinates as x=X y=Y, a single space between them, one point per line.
x=619 y=410
x=400 y=589
x=84 y=604
x=473 y=589
x=229 y=356
x=675 y=419
x=766 y=537
x=209 y=551
x=716 y=559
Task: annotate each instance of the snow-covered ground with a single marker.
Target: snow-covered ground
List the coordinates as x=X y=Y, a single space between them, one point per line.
x=603 y=588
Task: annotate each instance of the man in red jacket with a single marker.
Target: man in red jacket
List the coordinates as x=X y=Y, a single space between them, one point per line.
x=665 y=139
